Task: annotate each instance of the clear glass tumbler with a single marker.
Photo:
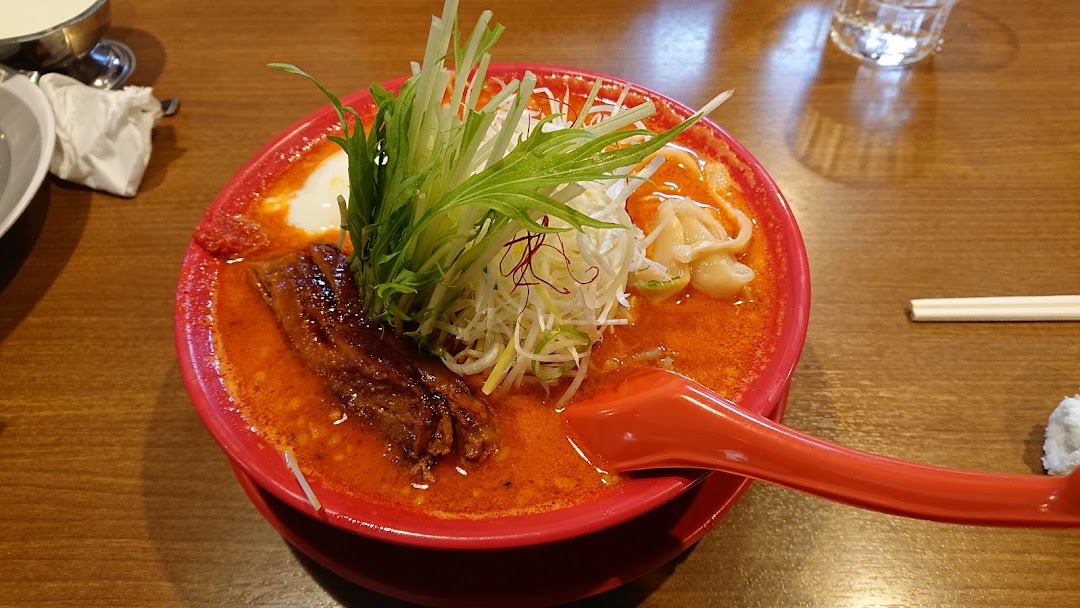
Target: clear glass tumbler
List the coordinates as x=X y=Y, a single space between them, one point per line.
x=890 y=32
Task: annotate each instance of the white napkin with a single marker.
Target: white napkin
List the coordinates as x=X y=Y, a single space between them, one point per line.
x=102 y=137
x=1061 y=449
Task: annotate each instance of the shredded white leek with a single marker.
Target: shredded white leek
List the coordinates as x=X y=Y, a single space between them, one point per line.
x=290 y=461
x=495 y=234
x=541 y=326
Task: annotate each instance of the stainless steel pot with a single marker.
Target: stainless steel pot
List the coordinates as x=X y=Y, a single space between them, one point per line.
x=77 y=48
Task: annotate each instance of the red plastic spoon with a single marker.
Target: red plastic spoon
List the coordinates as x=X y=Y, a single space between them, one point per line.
x=656 y=419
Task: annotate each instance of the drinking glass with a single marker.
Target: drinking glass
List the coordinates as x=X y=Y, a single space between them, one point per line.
x=890 y=32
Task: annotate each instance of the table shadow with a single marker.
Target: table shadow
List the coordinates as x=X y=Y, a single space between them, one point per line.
x=165 y=151
x=1033 y=449
x=638 y=591
x=37 y=247
x=976 y=41
x=862 y=125
x=200 y=546
x=16 y=243
x=150 y=54
x=343 y=591
x=354 y=596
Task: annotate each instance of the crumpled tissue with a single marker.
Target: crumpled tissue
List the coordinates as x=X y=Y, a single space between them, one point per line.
x=1061 y=449
x=102 y=136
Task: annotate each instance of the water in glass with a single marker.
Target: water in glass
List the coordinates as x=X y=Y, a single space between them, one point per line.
x=890 y=32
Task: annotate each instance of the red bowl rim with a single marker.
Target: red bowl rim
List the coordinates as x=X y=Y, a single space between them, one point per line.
x=263 y=463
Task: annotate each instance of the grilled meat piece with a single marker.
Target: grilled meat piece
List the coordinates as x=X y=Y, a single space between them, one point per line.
x=421 y=408
x=475 y=430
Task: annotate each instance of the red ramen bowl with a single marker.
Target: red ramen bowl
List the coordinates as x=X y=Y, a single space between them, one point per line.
x=640 y=494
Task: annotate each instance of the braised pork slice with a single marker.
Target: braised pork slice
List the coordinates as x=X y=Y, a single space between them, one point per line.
x=419 y=406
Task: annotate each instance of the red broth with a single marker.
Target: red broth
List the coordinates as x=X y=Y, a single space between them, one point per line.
x=721 y=343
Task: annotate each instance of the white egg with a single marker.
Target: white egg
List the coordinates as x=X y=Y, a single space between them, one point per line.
x=313 y=208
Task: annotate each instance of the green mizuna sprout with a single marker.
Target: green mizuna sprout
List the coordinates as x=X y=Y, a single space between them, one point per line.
x=448 y=195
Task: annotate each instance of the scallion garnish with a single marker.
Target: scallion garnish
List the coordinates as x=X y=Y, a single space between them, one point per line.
x=442 y=186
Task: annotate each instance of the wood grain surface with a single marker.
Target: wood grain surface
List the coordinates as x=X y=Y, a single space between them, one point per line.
x=956 y=177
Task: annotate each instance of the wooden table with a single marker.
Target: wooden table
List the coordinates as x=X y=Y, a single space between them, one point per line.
x=957 y=177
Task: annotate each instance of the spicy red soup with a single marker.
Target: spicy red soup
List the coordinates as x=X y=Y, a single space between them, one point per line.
x=719 y=342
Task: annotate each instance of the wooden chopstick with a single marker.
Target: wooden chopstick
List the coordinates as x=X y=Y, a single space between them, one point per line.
x=1015 y=308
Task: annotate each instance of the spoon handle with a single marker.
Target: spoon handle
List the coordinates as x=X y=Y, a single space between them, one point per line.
x=772 y=452
x=715 y=434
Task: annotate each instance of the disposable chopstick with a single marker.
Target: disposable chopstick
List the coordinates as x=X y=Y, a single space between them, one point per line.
x=1015 y=308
